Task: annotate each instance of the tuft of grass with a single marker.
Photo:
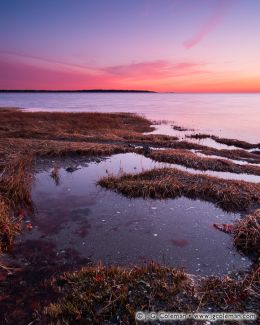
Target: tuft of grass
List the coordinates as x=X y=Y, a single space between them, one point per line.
x=246 y=232
x=236 y=154
x=181 y=128
x=226 y=141
x=9 y=228
x=15 y=193
x=162 y=183
x=111 y=295
x=16 y=181
x=99 y=295
x=229 y=294
x=151 y=139
x=55 y=175
x=191 y=160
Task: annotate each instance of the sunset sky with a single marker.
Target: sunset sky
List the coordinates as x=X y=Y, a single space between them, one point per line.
x=161 y=45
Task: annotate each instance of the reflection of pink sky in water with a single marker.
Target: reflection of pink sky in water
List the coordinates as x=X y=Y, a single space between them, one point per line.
x=103 y=225
x=227 y=115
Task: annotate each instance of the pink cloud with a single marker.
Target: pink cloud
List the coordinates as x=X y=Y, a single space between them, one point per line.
x=154 y=69
x=210 y=25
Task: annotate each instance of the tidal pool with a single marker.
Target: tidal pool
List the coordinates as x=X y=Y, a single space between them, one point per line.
x=77 y=217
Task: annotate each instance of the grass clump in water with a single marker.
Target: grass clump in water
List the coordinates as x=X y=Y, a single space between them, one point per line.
x=191 y=160
x=164 y=183
x=226 y=141
x=246 y=232
x=15 y=194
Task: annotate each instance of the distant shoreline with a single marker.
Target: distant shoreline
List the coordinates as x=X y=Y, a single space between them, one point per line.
x=76 y=91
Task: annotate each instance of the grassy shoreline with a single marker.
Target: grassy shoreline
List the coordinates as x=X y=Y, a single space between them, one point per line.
x=95 y=294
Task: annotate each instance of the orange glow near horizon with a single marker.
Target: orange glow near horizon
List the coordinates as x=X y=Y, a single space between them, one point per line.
x=158 y=76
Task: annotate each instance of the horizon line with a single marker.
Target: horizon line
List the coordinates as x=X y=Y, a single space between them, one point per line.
x=122 y=91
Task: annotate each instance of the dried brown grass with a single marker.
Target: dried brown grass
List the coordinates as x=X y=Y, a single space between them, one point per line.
x=236 y=154
x=111 y=295
x=111 y=128
x=100 y=295
x=228 y=294
x=16 y=181
x=226 y=141
x=15 y=193
x=69 y=126
x=150 y=139
x=246 y=232
x=162 y=183
x=191 y=160
x=49 y=148
x=9 y=227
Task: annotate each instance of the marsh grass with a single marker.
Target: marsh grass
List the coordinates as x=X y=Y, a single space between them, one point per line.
x=236 y=154
x=228 y=142
x=68 y=126
x=99 y=294
x=15 y=193
x=246 y=232
x=191 y=160
x=111 y=295
x=55 y=175
x=54 y=148
x=9 y=227
x=230 y=294
x=164 y=183
x=16 y=181
x=110 y=128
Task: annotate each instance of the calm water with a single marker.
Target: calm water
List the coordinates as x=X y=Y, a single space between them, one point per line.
x=226 y=115
x=78 y=218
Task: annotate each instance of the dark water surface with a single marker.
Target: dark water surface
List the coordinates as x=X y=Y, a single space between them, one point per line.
x=77 y=217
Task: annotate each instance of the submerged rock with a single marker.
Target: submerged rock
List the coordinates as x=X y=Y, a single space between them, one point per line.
x=71 y=169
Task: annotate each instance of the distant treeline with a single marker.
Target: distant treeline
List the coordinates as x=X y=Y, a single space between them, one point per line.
x=76 y=91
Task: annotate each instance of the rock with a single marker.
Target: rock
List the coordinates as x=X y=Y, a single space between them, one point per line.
x=71 y=169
